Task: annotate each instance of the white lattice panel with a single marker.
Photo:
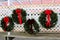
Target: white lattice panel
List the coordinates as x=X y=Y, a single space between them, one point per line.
x=33 y=12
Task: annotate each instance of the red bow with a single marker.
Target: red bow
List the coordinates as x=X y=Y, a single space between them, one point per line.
x=48 y=12
x=6 y=21
x=18 y=12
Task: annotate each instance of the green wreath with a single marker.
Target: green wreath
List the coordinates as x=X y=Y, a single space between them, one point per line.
x=29 y=26
x=8 y=27
x=53 y=16
x=23 y=14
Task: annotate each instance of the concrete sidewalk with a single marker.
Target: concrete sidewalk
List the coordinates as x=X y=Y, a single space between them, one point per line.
x=34 y=38
x=26 y=36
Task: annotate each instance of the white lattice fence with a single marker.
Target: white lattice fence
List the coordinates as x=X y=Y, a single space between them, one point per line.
x=33 y=11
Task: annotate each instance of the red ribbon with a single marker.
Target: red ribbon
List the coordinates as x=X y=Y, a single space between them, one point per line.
x=6 y=21
x=18 y=12
x=48 y=12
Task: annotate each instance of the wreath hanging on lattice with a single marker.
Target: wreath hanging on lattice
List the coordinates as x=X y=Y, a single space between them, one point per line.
x=48 y=19
x=19 y=16
x=31 y=26
x=7 y=24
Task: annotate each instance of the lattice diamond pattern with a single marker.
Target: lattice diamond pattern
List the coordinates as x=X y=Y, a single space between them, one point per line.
x=32 y=12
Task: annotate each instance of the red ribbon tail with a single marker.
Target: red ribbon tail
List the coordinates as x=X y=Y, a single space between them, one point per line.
x=5 y=27
x=20 y=19
x=48 y=21
x=47 y=24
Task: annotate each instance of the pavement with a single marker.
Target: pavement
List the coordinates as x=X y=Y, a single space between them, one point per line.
x=25 y=36
x=1 y=38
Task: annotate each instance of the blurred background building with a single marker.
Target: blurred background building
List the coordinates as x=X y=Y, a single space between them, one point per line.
x=24 y=2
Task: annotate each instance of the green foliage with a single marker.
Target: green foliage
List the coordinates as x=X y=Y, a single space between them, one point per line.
x=9 y=27
x=15 y=18
x=54 y=19
x=28 y=26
